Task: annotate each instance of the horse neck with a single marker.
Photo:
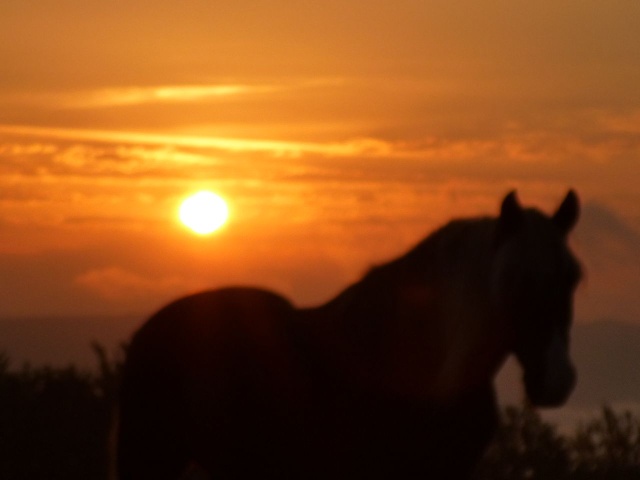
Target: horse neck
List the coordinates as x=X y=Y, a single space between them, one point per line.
x=341 y=336
x=423 y=324
x=475 y=338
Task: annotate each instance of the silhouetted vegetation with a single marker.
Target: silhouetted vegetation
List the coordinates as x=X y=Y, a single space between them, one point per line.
x=55 y=424
x=526 y=447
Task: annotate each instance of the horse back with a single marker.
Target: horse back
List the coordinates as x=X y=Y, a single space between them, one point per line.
x=233 y=377
x=224 y=334
x=208 y=365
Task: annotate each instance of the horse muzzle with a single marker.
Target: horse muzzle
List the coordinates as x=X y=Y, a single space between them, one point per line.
x=551 y=387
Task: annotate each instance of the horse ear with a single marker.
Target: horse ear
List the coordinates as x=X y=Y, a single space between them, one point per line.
x=511 y=216
x=568 y=212
x=511 y=213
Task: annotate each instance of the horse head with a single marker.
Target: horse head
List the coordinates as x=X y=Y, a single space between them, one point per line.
x=535 y=277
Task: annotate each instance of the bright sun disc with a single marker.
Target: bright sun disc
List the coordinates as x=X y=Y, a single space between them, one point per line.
x=204 y=212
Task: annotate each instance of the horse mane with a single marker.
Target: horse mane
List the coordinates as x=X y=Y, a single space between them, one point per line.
x=462 y=241
x=363 y=310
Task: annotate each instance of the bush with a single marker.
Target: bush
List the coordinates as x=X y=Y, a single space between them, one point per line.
x=527 y=448
x=54 y=423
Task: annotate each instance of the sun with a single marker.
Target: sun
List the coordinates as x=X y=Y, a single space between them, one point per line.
x=204 y=212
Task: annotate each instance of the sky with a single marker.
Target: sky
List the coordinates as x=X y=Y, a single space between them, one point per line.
x=340 y=134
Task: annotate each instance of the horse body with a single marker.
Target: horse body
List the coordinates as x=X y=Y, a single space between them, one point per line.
x=391 y=379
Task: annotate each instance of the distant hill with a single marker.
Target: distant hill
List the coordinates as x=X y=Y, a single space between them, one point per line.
x=606 y=353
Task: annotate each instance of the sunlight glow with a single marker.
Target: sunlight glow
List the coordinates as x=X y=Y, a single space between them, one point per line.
x=204 y=212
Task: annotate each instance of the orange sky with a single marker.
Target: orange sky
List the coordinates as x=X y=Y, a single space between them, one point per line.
x=339 y=132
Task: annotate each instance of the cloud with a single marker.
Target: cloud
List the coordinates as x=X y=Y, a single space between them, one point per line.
x=17 y=149
x=118 y=97
x=128 y=96
x=359 y=146
x=118 y=284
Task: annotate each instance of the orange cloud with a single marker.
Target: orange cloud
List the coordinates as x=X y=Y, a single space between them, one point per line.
x=359 y=146
x=115 y=97
x=118 y=284
x=127 y=96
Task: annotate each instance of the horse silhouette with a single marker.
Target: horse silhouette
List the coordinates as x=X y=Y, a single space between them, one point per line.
x=391 y=379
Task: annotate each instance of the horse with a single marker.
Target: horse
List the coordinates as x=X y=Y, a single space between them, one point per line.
x=393 y=378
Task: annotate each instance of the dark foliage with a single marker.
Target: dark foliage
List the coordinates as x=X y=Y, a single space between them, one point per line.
x=608 y=447
x=527 y=448
x=55 y=424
